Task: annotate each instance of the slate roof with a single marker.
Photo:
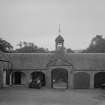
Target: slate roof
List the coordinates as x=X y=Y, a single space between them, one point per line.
x=4 y=61
x=2 y=56
x=29 y=60
x=80 y=61
x=88 y=61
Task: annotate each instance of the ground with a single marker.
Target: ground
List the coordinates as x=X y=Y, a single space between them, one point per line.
x=26 y=96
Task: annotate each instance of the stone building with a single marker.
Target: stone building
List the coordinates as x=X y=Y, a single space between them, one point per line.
x=56 y=70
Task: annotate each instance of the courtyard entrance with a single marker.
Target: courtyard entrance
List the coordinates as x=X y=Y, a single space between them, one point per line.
x=99 y=79
x=38 y=76
x=59 y=78
x=18 y=78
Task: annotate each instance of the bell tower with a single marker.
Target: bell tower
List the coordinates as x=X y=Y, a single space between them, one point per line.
x=59 y=41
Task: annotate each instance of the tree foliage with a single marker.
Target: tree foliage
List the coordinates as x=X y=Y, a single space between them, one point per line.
x=69 y=50
x=97 y=45
x=29 y=47
x=5 y=46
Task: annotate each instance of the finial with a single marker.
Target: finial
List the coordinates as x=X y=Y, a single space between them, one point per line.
x=59 y=29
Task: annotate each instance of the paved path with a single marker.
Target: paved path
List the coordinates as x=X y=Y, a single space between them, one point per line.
x=25 y=96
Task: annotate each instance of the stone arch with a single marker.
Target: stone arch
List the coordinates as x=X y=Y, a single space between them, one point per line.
x=99 y=79
x=18 y=78
x=59 y=78
x=38 y=75
x=81 y=80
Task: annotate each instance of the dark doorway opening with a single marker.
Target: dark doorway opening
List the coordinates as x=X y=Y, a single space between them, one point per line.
x=59 y=78
x=99 y=79
x=18 y=78
x=8 y=77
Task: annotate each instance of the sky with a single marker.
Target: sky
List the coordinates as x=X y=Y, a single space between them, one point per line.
x=38 y=21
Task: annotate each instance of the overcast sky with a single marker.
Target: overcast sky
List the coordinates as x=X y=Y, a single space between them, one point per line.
x=38 y=21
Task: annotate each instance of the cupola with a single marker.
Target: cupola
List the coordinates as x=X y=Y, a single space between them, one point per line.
x=59 y=41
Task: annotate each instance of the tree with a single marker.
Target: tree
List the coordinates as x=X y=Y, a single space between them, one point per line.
x=5 y=46
x=20 y=44
x=97 y=45
x=29 y=47
x=69 y=50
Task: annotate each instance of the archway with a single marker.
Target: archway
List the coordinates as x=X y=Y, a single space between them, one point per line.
x=81 y=80
x=99 y=79
x=39 y=75
x=59 y=78
x=18 y=78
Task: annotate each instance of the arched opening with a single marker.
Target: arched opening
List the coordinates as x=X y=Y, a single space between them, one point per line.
x=81 y=80
x=99 y=79
x=38 y=76
x=59 y=78
x=18 y=78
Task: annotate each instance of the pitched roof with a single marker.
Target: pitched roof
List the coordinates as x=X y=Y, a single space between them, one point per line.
x=4 y=61
x=59 y=59
x=80 y=61
x=28 y=60
x=87 y=61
